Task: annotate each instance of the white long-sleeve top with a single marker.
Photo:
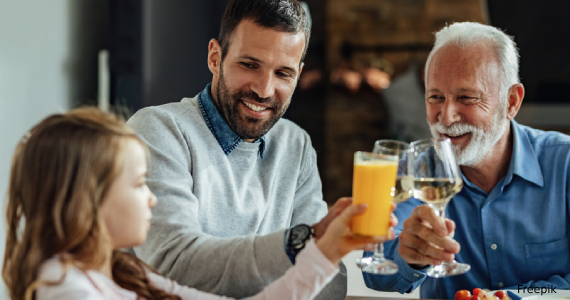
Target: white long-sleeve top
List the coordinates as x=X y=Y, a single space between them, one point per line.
x=304 y=280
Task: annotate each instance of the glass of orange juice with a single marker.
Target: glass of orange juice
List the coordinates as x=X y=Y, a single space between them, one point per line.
x=374 y=183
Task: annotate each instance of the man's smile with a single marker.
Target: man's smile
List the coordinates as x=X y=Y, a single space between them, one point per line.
x=256 y=110
x=254 y=107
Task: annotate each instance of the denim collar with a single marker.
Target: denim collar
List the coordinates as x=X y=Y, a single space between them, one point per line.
x=524 y=162
x=219 y=127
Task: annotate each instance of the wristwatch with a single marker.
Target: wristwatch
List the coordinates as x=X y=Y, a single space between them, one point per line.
x=299 y=235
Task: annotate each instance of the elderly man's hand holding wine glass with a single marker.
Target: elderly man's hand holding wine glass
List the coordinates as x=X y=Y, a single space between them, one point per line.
x=427 y=238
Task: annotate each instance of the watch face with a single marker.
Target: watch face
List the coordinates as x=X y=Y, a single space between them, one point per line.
x=300 y=234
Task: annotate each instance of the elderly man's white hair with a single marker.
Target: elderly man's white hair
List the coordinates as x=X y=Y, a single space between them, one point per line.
x=466 y=33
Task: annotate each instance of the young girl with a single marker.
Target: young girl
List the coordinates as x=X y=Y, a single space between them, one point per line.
x=77 y=194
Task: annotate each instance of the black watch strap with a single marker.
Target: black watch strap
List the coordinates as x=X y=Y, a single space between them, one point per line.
x=296 y=239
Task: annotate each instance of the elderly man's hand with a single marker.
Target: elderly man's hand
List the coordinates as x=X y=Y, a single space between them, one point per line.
x=427 y=239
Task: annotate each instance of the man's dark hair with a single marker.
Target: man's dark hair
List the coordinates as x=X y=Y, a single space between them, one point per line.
x=281 y=15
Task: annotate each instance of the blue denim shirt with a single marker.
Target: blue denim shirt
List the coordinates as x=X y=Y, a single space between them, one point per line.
x=515 y=236
x=227 y=138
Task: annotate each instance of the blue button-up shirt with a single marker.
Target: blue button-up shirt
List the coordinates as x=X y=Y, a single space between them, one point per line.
x=515 y=235
x=227 y=138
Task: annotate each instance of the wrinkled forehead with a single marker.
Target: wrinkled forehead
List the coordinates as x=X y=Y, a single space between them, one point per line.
x=476 y=61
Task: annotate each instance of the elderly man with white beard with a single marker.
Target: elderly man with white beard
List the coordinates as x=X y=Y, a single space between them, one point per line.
x=511 y=220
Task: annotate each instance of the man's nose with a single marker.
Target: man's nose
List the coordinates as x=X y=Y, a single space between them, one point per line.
x=263 y=86
x=449 y=113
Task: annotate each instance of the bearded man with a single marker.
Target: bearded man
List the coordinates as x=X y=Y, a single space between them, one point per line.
x=512 y=217
x=235 y=183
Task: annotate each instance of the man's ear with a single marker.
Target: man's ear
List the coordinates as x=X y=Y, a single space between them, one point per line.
x=515 y=99
x=300 y=71
x=214 y=57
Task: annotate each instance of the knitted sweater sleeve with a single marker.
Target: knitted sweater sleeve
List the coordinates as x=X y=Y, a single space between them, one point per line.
x=309 y=205
x=176 y=246
x=301 y=282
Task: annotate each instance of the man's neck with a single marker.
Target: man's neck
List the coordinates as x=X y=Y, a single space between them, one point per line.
x=213 y=88
x=494 y=167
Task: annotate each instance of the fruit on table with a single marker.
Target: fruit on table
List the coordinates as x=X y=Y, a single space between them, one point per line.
x=463 y=295
x=479 y=294
x=476 y=291
x=501 y=295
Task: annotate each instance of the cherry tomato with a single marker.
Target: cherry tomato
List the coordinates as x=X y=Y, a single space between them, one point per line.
x=475 y=297
x=501 y=295
x=463 y=295
x=476 y=291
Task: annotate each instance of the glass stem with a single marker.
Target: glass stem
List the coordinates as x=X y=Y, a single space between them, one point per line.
x=379 y=253
x=439 y=209
x=440 y=213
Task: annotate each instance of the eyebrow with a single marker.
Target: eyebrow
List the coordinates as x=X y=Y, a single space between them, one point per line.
x=469 y=90
x=257 y=60
x=460 y=90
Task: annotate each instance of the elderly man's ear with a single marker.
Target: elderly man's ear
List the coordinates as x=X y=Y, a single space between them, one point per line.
x=516 y=95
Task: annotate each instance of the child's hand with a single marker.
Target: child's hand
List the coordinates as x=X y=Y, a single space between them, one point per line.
x=338 y=240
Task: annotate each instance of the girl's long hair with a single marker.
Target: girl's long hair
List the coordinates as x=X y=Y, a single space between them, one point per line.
x=61 y=171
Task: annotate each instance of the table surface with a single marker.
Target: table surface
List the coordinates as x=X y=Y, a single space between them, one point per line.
x=376 y=298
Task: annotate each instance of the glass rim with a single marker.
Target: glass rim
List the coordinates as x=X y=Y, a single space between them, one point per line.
x=428 y=141
x=402 y=147
x=389 y=157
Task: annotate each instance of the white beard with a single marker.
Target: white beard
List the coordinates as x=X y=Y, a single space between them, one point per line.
x=483 y=139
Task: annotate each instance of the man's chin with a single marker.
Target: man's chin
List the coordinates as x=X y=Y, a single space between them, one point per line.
x=469 y=157
x=252 y=133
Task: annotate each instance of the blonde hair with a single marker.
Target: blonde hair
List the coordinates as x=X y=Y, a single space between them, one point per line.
x=61 y=171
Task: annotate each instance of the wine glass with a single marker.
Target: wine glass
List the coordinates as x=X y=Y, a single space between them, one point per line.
x=436 y=180
x=401 y=191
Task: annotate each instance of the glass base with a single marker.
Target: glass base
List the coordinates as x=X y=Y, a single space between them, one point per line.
x=377 y=266
x=448 y=269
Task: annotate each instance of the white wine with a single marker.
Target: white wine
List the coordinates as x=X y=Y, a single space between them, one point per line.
x=403 y=189
x=436 y=190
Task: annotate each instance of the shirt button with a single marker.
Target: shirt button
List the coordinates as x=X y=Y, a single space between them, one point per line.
x=501 y=284
x=417 y=275
x=494 y=246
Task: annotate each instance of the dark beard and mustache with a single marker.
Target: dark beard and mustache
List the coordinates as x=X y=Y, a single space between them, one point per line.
x=247 y=127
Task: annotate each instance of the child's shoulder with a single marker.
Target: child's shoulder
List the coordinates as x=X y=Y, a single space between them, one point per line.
x=69 y=282
x=53 y=270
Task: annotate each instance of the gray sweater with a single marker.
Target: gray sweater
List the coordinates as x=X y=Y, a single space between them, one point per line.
x=220 y=220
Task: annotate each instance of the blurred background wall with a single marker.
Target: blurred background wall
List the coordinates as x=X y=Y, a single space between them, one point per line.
x=48 y=63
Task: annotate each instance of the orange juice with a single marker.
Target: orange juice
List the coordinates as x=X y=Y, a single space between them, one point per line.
x=373 y=182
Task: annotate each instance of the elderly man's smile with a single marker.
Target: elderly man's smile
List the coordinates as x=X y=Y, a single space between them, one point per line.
x=457 y=139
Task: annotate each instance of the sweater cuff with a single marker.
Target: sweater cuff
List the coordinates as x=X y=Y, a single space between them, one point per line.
x=287 y=248
x=270 y=255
